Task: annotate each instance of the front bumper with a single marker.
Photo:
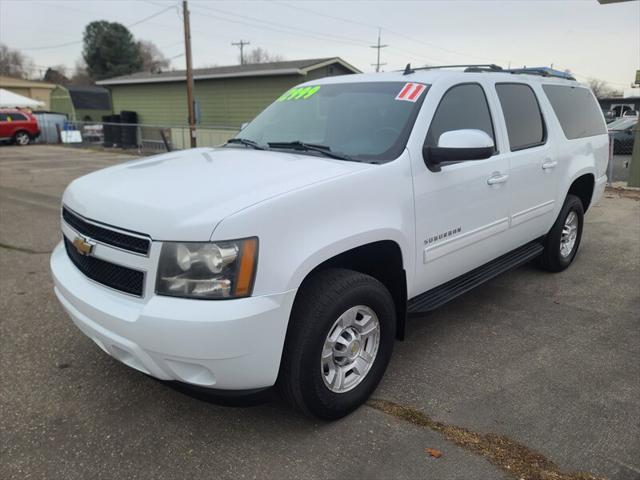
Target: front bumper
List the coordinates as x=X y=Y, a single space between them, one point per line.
x=222 y=344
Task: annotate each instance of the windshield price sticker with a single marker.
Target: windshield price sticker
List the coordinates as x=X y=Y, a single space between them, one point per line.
x=411 y=92
x=300 y=93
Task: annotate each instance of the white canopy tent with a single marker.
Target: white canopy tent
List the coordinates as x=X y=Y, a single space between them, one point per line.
x=13 y=100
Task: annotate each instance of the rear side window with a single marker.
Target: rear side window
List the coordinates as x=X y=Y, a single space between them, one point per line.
x=463 y=106
x=522 y=115
x=12 y=117
x=577 y=111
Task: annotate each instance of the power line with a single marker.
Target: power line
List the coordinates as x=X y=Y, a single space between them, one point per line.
x=60 y=45
x=241 y=44
x=408 y=37
x=590 y=77
x=311 y=34
x=368 y=25
x=76 y=42
x=263 y=25
x=378 y=47
x=172 y=7
x=332 y=17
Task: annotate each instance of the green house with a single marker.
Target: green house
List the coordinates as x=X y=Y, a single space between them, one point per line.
x=224 y=96
x=81 y=103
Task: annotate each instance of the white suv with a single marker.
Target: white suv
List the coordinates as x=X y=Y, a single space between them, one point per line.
x=292 y=255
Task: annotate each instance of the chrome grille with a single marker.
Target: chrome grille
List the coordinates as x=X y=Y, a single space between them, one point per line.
x=105 y=235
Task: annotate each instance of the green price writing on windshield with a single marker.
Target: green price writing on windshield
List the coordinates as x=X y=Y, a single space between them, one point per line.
x=299 y=93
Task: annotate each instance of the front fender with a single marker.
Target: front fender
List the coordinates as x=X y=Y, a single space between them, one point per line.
x=299 y=230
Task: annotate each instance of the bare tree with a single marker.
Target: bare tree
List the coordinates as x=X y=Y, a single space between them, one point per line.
x=13 y=63
x=152 y=58
x=80 y=75
x=260 y=55
x=601 y=89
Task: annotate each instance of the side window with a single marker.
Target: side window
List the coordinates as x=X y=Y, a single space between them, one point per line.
x=577 y=111
x=3 y=117
x=463 y=106
x=525 y=125
x=18 y=117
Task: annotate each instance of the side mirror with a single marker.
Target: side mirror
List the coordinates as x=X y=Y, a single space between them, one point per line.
x=458 y=146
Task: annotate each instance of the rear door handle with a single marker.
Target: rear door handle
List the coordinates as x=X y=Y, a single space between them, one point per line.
x=549 y=164
x=497 y=178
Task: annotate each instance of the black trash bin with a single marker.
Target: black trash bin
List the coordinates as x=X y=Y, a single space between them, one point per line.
x=128 y=133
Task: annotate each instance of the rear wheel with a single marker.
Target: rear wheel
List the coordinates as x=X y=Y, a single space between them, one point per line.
x=21 y=138
x=563 y=240
x=340 y=339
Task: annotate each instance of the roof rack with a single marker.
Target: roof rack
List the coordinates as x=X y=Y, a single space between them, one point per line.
x=491 y=67
x=484 y=66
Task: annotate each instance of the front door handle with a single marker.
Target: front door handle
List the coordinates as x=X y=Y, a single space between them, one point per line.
x=549 y=164
x=497 y=178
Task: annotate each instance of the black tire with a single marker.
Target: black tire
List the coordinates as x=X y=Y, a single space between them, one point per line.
x=21 y=138
x=322 y=299
x=551 y=258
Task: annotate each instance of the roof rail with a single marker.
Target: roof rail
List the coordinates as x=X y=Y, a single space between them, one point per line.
x=542 y=71
x=491 y=67
x=484 y=66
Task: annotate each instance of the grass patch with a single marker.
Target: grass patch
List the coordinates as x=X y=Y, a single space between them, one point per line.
x=515 y=459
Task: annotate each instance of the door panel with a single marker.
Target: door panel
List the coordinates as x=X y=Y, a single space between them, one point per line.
x=462 y=212
x=532 y=162
x=460 y=219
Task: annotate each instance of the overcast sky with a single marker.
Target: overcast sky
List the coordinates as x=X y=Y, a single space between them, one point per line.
x=592 y=40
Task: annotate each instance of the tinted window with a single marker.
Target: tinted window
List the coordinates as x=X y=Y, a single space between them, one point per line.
x=463 y=106
x=522 y=115
x=17 y=117
x=576 y=109
x=3 y=117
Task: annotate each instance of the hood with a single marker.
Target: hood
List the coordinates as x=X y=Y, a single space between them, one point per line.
x=183 y=195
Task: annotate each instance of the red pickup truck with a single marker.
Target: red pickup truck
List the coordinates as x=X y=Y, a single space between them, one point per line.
x=18 y=126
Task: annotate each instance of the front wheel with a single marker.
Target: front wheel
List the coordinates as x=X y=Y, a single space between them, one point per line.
x=21 y=138
x=339 y=342
x=563 y=240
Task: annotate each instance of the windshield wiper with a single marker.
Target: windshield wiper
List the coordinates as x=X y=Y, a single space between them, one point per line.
x=244 y=141
x=312 y=147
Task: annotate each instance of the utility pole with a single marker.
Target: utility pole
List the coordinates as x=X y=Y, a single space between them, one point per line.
x=187 y=47
x=378 y=47
x=241 y=44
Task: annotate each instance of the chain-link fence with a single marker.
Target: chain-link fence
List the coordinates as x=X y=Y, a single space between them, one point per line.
x=142 y=138
x=146 y=139
x=621 y=135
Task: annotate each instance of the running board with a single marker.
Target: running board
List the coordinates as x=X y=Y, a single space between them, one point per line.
x=438 y=296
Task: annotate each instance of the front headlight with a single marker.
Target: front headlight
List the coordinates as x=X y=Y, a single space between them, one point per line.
x=207 y=270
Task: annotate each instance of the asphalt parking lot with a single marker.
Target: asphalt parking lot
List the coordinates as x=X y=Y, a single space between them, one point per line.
x=533 y=375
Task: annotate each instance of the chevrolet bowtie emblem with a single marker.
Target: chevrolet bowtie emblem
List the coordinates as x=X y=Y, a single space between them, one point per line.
x=83 y=246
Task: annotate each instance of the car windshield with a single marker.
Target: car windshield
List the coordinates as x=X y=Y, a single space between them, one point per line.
x=368 y=121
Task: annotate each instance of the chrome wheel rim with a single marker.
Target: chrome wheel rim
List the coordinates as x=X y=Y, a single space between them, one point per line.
x=22 y=138
x=569 y=234
x=350 y=349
